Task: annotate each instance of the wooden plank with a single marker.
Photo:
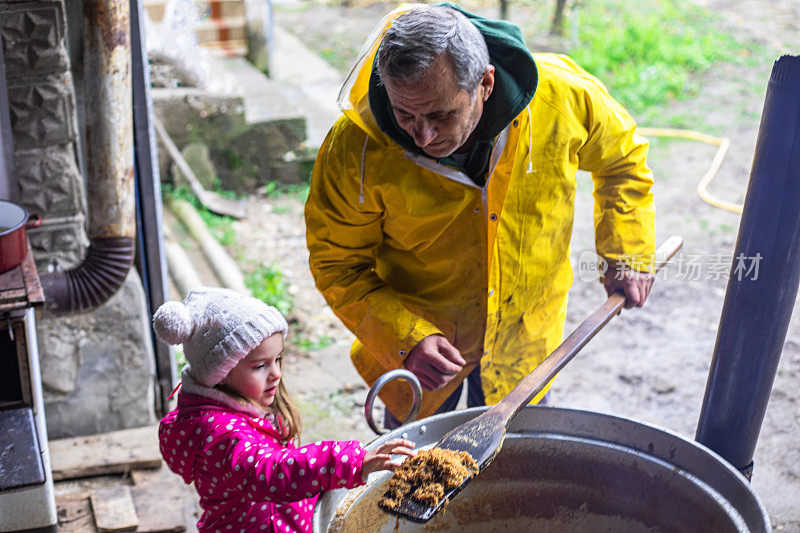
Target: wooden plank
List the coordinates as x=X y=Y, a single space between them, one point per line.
x=159 y=507
x=75 y=513
x=105 y=453
x=113 y=510
x=164 y=503
x=13 y=295
x=33 y=284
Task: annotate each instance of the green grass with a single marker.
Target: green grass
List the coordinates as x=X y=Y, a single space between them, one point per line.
x=297 y=191
x=266 y=283
x=220 y=226
x=180 y=359
x=648 y=52
x=312 y=345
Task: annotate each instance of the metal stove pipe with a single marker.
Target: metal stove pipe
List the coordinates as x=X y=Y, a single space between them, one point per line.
x=109 y=148
x=763 y=283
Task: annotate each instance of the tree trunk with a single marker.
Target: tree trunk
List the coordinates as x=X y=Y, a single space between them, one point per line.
x=557 y=28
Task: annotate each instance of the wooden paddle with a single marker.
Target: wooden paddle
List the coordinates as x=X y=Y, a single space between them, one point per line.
x=483 y=436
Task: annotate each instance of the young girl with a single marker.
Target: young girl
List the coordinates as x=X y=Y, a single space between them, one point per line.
x=235 y=429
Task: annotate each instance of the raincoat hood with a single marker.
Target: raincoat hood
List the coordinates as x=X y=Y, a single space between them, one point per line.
x=364 y=100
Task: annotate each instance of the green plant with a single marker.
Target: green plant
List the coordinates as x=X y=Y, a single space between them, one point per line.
x=647 y=52
x=180 y=359
x=307 y=344
x=296 y=191
x=231 y=159
x=266 y=283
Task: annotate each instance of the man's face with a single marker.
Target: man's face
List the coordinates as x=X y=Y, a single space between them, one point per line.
x=438 y=115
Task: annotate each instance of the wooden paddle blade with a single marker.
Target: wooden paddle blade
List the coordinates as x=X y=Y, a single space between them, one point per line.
x=482 y=437
x=411 y=509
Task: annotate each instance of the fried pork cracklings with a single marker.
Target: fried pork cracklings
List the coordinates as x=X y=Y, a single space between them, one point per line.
x=428 y=475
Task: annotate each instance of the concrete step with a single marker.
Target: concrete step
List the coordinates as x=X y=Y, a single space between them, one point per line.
x=313 y=81
x=265 y=99
x=254 y=126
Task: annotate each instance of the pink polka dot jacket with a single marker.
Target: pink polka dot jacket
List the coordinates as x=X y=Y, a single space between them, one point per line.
x=246 y=478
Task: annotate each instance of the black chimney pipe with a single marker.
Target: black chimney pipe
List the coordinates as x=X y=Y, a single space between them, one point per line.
x=763 y=280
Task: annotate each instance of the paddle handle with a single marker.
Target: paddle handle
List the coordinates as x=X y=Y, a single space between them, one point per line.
x=534 y=382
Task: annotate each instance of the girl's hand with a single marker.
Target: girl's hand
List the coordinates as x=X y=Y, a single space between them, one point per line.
x=380 y=458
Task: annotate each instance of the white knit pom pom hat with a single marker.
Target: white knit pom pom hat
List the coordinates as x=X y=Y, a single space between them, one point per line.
x=218 y=328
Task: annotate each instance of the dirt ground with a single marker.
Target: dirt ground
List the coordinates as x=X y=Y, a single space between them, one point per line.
x=651 y=364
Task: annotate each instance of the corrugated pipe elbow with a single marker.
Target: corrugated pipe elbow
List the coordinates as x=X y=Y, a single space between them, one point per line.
x=94 y=281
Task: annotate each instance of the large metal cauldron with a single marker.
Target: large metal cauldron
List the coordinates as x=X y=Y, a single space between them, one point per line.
x=563 y=470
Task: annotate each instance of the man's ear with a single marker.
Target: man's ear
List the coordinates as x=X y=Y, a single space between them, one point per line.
x=487 y=82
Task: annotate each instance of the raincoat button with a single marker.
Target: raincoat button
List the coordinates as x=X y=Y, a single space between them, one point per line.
x=491 y=292
x=477 y=209
x=402 y=353
x=516 y=123
x=493 y=216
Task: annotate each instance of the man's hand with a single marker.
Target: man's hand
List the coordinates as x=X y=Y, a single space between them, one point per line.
x=434 y=361
x=635 y=284
x=380 y=458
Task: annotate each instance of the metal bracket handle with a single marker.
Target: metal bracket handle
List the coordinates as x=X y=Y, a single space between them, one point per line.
x=403 y=375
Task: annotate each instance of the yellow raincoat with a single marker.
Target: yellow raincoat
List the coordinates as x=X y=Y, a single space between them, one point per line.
x=403 y=247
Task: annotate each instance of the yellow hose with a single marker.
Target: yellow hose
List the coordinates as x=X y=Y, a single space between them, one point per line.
x=723 y=143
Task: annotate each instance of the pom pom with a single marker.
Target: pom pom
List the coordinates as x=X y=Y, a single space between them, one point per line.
x=172 y=323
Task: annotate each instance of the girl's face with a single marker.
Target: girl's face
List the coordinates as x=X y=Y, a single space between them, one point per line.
x=256 y=376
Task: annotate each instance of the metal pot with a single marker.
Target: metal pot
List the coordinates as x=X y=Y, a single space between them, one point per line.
x=14 y=221
x=568 y=470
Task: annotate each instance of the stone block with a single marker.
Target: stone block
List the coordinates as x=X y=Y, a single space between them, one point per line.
x=49 y=180
x=196 y=115
x=198 y=158
x=42 y=110
x=60 y=374
x=263 y=153
x=116 y=375
x=244 y=154
x=59 y=243
x=33 y=38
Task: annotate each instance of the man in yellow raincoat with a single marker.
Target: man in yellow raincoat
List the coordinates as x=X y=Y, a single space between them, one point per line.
x=441 y=203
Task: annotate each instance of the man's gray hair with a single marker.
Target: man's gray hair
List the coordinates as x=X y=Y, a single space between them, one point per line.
x=418 y=37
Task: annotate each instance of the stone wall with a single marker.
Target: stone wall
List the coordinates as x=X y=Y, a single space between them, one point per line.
x=97 y=367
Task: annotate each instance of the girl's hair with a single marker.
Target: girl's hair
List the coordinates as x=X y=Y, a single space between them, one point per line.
x=287 y=416
x=284 y=408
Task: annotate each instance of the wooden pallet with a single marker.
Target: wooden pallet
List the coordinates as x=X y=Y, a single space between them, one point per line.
x=116 y=482
x=222 y=30
x=157 y=501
